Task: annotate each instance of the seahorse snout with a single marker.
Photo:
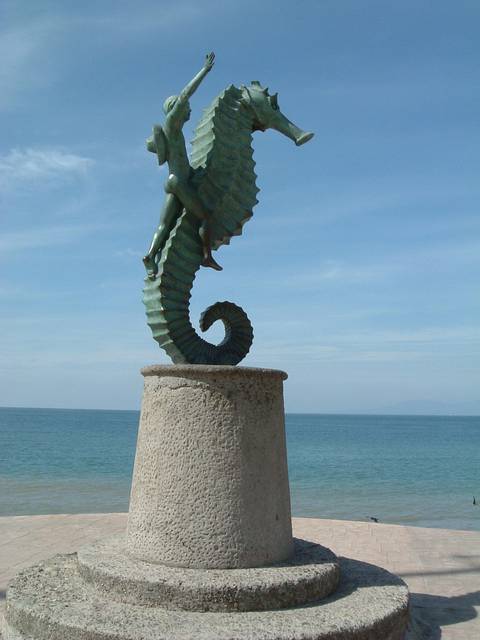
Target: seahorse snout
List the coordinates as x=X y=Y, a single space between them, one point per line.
x=289 y=129
x=305 y=137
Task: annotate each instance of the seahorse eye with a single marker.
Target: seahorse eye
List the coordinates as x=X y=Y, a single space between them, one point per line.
x=274 y=102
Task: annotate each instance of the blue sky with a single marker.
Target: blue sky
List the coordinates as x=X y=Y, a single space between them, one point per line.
x=361 y=266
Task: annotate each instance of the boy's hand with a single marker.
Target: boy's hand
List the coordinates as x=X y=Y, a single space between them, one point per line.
x=209 y=60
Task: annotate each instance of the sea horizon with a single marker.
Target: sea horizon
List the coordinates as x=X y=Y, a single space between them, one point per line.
x=299 y=413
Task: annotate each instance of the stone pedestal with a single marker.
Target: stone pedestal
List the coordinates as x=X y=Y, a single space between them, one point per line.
x=210 y=483
x=208 y=553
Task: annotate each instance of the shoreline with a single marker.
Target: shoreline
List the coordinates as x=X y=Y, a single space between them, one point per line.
x=95 y=514
x=440 y=566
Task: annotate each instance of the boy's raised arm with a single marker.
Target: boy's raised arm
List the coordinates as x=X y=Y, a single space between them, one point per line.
x=193 y=85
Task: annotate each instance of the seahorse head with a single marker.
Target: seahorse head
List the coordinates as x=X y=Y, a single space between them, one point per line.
x=267 y=114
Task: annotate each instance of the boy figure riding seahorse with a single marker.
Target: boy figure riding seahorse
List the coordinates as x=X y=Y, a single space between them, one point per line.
x=168 y=143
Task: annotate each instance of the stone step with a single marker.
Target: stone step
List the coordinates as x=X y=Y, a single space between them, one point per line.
x=51 y=601
x=311 y=575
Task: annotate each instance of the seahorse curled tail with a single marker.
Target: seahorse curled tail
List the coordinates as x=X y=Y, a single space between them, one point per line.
x=167 y=300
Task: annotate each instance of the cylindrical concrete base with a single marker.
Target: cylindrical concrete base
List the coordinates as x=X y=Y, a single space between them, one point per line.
x=210 y=483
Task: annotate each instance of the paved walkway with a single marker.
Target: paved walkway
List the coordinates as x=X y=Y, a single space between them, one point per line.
x=441 y=567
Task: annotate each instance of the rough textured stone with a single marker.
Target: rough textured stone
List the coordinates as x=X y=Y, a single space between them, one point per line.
x=312 y=574
x=210 y=484
x=51 y=602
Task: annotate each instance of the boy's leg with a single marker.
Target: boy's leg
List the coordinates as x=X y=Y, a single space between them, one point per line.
x=208 y=259
x=191 y=201
x=187 y=196
x=172 y=208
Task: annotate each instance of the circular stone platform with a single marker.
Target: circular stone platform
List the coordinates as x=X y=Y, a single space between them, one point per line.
x=51 y=601
x=311 y=575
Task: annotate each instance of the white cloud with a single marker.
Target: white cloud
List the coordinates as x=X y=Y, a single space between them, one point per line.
x=429 y=344
x=432 y=259
x=25 y=65
x=129 y=253
x=126 y=24
x=42 y=237
x=35 y=44
x=335 y=271
x=34 y=165
x=460 y=335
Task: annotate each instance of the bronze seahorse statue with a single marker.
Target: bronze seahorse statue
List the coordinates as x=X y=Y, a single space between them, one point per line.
x=209 y=199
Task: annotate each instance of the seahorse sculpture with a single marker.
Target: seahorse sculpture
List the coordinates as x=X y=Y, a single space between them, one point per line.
x=222 y=177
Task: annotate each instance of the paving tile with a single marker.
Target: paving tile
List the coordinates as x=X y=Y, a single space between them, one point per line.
x=442 y=568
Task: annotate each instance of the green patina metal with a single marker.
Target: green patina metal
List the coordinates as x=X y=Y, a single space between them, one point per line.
x=209 y=199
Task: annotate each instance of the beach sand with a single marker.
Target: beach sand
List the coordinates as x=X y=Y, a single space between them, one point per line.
x=440 y=566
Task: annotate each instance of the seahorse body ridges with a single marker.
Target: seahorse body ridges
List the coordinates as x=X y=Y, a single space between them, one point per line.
x=225 y=179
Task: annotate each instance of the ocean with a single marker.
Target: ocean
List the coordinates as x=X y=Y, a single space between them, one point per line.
x=411 y=470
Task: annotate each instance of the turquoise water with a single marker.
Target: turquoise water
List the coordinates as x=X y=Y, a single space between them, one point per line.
x=415 y=470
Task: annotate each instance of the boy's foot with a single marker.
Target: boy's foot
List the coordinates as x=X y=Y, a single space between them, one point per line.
x=210 y=262
x=150 y=266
